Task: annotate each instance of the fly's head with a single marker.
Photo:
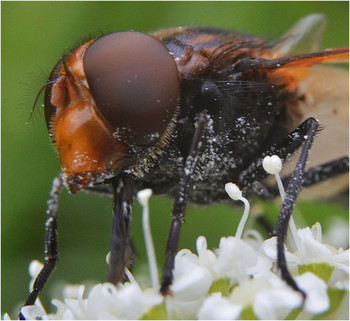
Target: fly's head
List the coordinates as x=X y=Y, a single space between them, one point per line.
x=111 y=106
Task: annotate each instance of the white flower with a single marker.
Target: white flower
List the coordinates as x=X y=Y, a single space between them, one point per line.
x=317 y=300
x=275 y=303
x=105 y=301
x=312 y=250
x=128 y=301
x=269 y=296
x=191 y=280
x=243 y=269
x=32 y=312
x=215 y=307
x=234 y=256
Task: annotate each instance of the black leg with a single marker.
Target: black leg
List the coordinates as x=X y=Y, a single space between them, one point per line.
x=292 y=192
x=325 y=171
x=122 y=254
x=51 y=247
x=251 y=177
x=180 y=202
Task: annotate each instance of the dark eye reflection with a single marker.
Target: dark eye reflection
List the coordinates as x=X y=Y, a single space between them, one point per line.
x=134 y=82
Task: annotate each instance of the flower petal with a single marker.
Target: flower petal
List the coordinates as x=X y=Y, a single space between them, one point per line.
x=262 y=265
x=103 y=297
x=191 y=281
x=182 y=310
x=311 y=249
x=244 y=293
x=234 y=256
x=275 y=303
x=206 y=257
x=61 y=309
x=215 y=307
x=317 y=300
x=269 y=247
x=32 y=312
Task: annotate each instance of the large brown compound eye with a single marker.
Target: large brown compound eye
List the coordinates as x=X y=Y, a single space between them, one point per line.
x=134 y=82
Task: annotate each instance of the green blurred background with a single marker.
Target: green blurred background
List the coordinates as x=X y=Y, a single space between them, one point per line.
x=34 y=37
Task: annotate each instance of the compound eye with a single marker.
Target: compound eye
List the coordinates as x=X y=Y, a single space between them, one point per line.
x=134 y=82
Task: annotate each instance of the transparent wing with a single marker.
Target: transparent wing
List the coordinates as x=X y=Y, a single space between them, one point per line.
x=304 y=37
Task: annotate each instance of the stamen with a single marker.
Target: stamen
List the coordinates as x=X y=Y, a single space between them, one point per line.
x=273 y=165
x=130 y=277
x=143 y=198
x=235 y=193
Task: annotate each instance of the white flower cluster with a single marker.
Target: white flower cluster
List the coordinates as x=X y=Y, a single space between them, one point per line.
x=239 y=280
x=220 y=284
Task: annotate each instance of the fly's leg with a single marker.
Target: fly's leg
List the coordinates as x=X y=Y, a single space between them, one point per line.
x=180 y=202
x=255 y=173
x=253 y=176
x=325 y=171
x=122 y=253
x=304 y=135
x=51 y=246
x=292 y=192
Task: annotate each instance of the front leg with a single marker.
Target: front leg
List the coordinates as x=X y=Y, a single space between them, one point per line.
x=51 y=243
x=180 y=202
x=122 y=254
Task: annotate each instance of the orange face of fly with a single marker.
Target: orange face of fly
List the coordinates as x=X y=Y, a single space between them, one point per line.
x=94 y=97
x=83 y=139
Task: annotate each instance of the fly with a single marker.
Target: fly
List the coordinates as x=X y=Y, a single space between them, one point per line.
x=185 y=110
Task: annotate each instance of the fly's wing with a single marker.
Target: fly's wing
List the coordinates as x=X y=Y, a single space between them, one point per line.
x=305 y=36
x=326 y=97
x=322 y=89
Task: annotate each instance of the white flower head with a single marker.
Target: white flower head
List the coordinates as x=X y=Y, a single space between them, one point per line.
x=214 y=284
